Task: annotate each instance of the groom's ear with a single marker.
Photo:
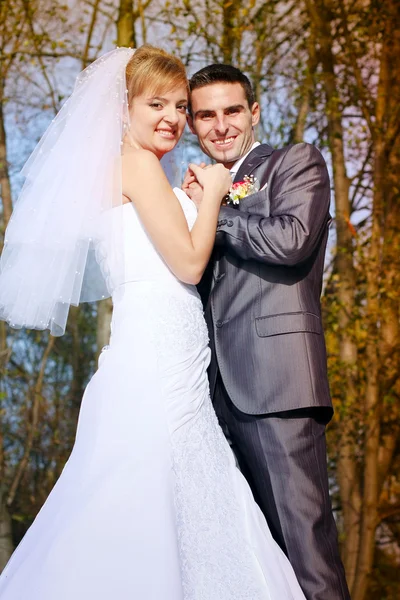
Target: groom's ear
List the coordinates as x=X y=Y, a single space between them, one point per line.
x=255 y=114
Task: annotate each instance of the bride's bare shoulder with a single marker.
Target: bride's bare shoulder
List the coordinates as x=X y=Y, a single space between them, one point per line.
x=139 y=161
x=142 y=176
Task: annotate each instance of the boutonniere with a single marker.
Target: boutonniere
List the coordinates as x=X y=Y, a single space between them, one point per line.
x=241 y=189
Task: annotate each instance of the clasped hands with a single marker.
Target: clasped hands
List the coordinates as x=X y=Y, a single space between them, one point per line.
x=193 y=188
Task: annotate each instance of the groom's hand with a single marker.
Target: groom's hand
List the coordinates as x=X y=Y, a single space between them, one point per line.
x=191 y=186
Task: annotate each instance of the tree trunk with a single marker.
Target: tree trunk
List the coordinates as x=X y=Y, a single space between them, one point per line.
x=125 y=25
x=347 y=474
x=77 y=357
x=33 y=425
x=229 y=39
x=306 y=91
x=6 y=542
x=104 y=314
x=5 y=187
x=382 y=300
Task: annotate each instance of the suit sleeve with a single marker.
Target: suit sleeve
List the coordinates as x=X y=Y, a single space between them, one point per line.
x=299 y=213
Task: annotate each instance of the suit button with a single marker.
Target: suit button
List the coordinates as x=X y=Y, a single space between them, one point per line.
x=224 y=221
x=219 y=324
x=230 y=223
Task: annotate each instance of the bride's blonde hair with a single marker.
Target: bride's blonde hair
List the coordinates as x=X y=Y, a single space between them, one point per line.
x=154 y=70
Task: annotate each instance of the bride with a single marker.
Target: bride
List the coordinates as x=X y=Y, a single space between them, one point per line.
x=150 y=505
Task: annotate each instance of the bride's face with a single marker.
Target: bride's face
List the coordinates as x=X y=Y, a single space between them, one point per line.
x=158 y=121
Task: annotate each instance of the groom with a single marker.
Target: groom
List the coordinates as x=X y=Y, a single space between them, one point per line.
x=261 y=291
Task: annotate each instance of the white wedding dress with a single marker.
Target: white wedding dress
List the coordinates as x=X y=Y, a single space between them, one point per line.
x=150 y=505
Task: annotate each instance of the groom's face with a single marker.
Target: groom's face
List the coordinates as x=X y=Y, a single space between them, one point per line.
x=223 y=121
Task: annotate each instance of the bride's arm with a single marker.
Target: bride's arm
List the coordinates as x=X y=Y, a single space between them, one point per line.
x=145 y=184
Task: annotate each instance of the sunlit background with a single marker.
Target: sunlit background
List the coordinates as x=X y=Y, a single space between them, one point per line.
x=326 y=72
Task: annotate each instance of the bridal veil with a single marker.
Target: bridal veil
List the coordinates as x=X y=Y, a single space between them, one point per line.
x=65 y=214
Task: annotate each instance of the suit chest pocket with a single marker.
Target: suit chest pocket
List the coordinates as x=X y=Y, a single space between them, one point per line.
x=296 y=322
x=257 y=203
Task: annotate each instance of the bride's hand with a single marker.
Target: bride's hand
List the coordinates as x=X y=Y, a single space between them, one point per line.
x=191 y=186
x=214 y=177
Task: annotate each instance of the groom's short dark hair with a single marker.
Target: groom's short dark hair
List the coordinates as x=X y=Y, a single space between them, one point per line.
x=220 y=73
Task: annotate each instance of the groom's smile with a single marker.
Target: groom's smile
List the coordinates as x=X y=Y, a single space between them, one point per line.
x=223 y=121
x=225 y=143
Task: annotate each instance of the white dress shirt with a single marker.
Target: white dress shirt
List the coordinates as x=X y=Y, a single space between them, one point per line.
x=238 y=163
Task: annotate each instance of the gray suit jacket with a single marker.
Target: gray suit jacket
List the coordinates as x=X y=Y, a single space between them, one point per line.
x=262 y=287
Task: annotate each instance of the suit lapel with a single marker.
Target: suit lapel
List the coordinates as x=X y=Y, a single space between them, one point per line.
x=254 y=160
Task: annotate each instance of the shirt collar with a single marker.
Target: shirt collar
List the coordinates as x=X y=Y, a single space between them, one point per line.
x=239 y=162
